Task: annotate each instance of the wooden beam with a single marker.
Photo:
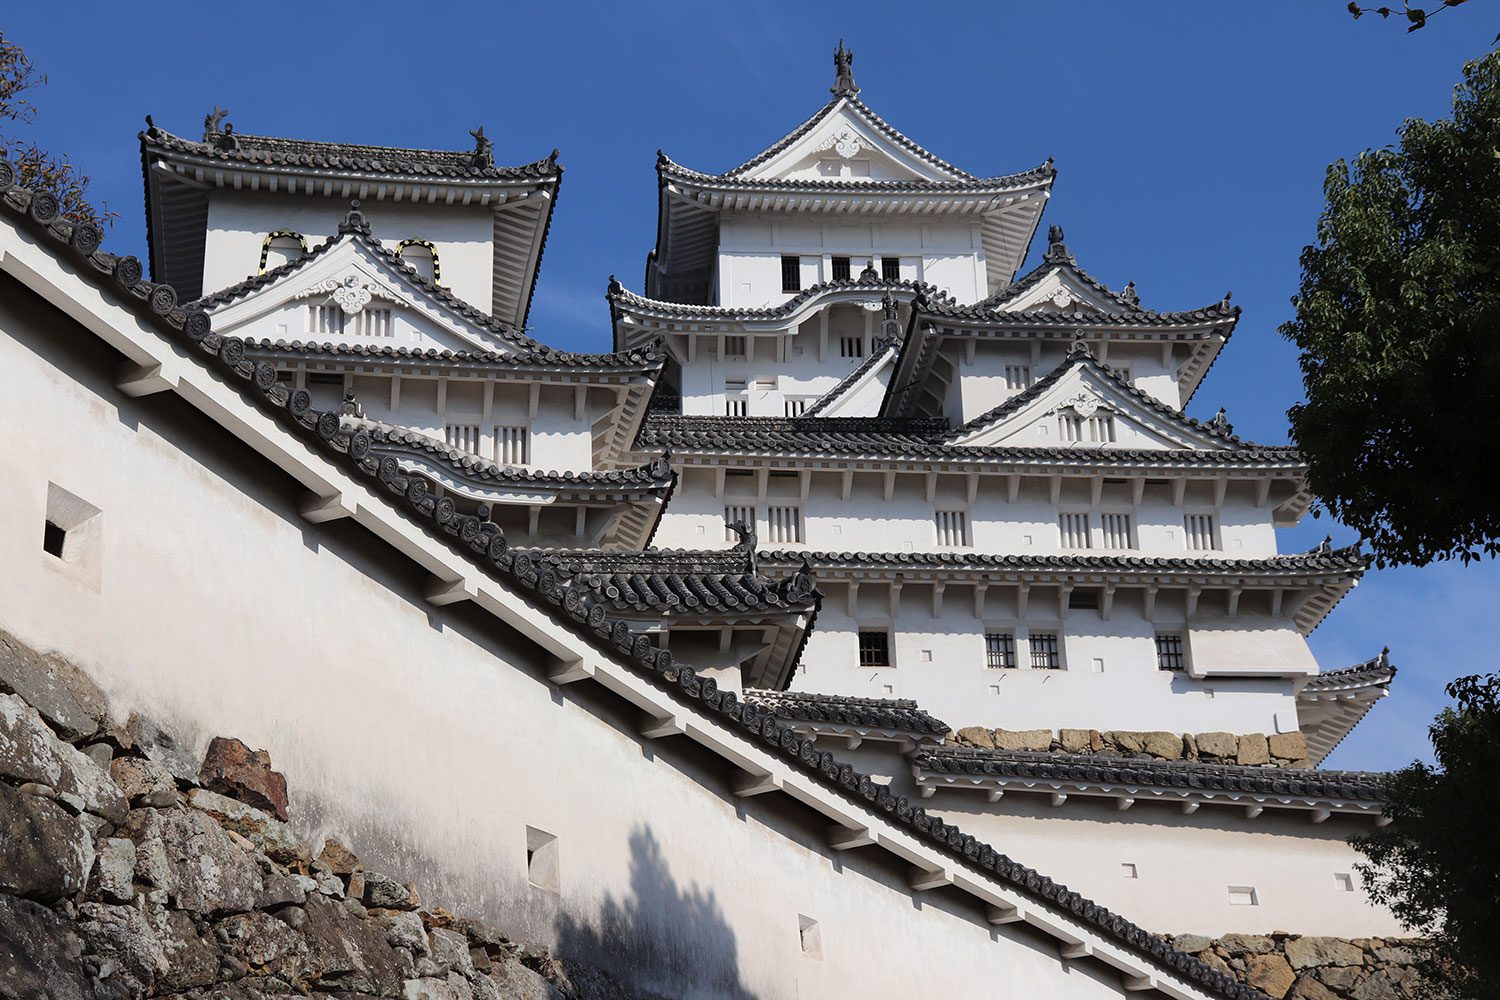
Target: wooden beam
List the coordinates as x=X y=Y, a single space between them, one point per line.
x=746 y=785
x=569 y=671
x=654 y=728
x=980 y=592
x=922 y=879
x=137 y=381
x=841 y=838
x=318 y=509
x=1002 y=913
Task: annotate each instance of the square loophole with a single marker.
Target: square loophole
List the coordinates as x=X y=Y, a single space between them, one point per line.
x=1243 y=895
x=541 y=860
x=72 y=533
x=811 y=935
x=1129 y=870
x=1343 y=882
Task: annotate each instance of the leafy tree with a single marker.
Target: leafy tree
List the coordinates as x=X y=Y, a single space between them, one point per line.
x=1416 y=17
x=35 y=167
x=1398 y=326
x=1435 y=864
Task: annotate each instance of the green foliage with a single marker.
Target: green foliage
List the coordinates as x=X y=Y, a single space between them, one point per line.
x=35 y=167
x=1416 y=17
x=1435 y=865
x=1398 y=327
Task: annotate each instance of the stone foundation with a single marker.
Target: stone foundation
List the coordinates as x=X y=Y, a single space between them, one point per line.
x=1248 y=750
x=1292 y=967
x=128 y=871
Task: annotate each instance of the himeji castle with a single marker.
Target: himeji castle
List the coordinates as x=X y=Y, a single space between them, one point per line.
x=883 y=580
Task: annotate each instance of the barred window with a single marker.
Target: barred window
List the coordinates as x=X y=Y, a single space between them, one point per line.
x=1199 y=529
x=735 y=402
x=1074 y=530
x=795 y=407
x=784 y=524
x=852 y=347
x=1044 y=651
x=791 y=273
x=1115 y=531
x=1017 y=376
x=512 y=445
x=464 y=437
x=999 y=650
x=734 y=347
x=890 y=268
x=735 y=513
x=1169 y=651
x=372 y=323
x=874 y=649
x=1098 y=429
x=952 y=528
x=841 y=269
x=325 y=320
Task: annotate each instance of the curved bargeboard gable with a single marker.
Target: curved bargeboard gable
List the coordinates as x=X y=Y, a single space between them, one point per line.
x=433 y=730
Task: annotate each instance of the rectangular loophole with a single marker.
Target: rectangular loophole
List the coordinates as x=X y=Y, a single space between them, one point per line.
x=72 y=533
x=1343 y=882
x=53 y=539
x=541 y=859
x=811 y=935
x=1243 y=895
x=1129 y=870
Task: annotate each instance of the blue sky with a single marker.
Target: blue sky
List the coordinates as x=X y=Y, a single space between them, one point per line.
x=1190 y=138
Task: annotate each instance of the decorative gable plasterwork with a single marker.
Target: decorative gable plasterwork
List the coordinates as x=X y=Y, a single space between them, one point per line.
x=1083 y=403
x=843 y=141
x=349 y=293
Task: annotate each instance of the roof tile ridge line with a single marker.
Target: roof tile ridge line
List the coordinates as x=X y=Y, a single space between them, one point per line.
x=646 y=473
x=877 y=357
x=1041 y=173
x=617 y=292
x=1079 y=355
x=785 y=141
x=1037 y=274
x=901 y=138
x=226 y=358
x=1353 y=562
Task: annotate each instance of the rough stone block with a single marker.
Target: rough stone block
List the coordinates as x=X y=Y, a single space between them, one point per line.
x=45 y=852
x=1391 y=984
x=1226 y=745
x=516 y=981
x=385 y=893
x=114 y=869
x=145 y=737
x=1191 y=943
x=349 y=953
x=143 y=781
x=255 y=825
x=29 y=752
x=339 y=859
x=1253 y=750
x=1308 y=988
x=1247 y=944
x=1289 y=746
x=450 y=952
x=1167 y=746
x=233 y=769
x=41 y=956
x=1312 y=952
x=1126 y=740
x=72 y=704
x=190 y=856
x=1270 y=974
x=1075 y=740
x=265 y=943
x=977 y=735
x=1023 y=739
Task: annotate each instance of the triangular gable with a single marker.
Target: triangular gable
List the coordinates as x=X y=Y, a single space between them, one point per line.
x=1083 y=404
x=380 y=300
x=863 y=390
x=846 y=141
x=1058 y=284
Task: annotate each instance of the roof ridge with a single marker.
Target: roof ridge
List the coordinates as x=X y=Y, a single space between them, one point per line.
x=877 y=358
x=616 y=292
x=1345 y=560
x=259 y=387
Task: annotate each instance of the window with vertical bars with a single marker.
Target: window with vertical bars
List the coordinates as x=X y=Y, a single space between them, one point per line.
x=1168 y=651
x=1073 y=530
x=841 y=269
x=952 y=528
x=1199 y=529
x=874 y=649
x=734 y=513
x=735 y=402
x=1044 y=651
x=465 y=437
x=796 y=407
x=325 y=320
x=372 y=323
x=999 y=650
x=784 y=524
x=1098 y=429
x=1017 y=376
x=890 y=268
x=791 y=273
x=852 y=347
x=512 y=445
x=1114 y=531
x=734 y=347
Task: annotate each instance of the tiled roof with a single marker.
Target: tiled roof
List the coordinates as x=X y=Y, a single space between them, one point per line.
x=1080 y=355
x=1377 y=672
x=906 y=439
x=260 y=151
x=157 y=304
x=653 y=477
x=669 y=170
x=880 y=352
x=1095 y=769
x=681 y=583
x=645 y=358
x=874 y=713
x=1318 y=561
x=620 y=297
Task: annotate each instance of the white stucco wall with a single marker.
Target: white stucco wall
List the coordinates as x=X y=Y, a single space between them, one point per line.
x=426 y=736
x=238 y=223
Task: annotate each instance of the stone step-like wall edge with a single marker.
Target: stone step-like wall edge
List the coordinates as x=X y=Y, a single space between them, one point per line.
x=1246 y=750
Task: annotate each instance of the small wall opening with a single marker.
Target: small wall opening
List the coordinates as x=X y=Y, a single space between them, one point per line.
x=541 y=859
x=1243 y=895
x=71 y=532
x=811 y=935
x=1343 y=882
x=1129 y=870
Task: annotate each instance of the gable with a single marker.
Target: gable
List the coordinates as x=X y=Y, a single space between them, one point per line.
x=347 y=293
x=845 y=144
x=1083 y=405
x=862 y=392
x=1060 y=291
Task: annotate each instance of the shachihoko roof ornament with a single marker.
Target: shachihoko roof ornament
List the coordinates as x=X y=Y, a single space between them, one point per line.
x=843 y=65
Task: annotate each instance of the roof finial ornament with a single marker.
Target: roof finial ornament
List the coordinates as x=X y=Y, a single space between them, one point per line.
x=1225 y=303
x=1130 y=294
x=1080 y=347
x=888 y=305
x=1220 y=423
x=868 y=273
x=747 y=543
x=1385 y=657
x=1326 y=546
x=484 y=149
x=351 y=407
x=1057 y=250
x=354 y=219
x=843 y=64
x=213 y=122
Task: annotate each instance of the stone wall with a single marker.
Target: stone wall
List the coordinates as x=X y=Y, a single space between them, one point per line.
x=1291 y=967
x=1251 y=749
x=129 y=870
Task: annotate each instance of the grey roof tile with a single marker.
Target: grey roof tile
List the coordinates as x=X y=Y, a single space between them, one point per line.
x=876 y=713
